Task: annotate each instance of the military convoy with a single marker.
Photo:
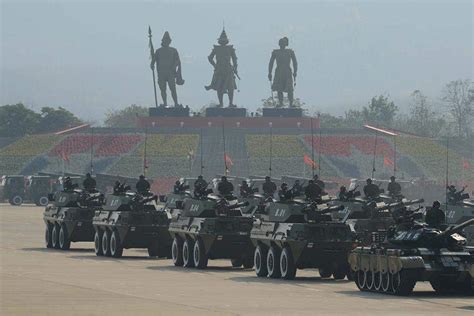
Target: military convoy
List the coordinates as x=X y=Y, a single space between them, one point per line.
x=69 y=217
x=414 y=252
x=130 y=220
x=17 y=189
x=211 y=227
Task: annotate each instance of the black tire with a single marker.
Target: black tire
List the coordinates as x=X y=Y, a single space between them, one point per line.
x=55 y=237
x=98 y=243
x=154 y=248
x=287 y=264
x=446 y=285
x=340 y=272
x=273 y=262
x=106 y=243
x=42 y=201
x=64 y=241
x=16 y=200
x=177 y=252
x=248 y=262
x=47 y=236
x=199 y=255
x=402 y=283
x=325 y=271
x=188 y=246
x=360 y=279
x=385 y=280
x=260 y=261
x=236 y=263
x=116 y=246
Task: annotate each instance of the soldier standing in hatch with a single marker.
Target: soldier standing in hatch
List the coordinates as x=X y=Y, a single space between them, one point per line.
x=394 y=188
x=284 y=75
x=225 y=187
x=435 y=216
x=371 y=191
x=269 y=187
x=142 y=186
x=245 y=190
x=89 y=183
x=225 y=69
x=168 y=67
x=313 y=191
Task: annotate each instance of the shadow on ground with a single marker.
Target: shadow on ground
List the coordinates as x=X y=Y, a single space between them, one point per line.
x=210 y=269
x=72 y=250
x=416 y=295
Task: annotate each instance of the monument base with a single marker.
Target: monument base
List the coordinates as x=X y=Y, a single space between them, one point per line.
x=282 y=112
x=226 y=112
x=162 y=111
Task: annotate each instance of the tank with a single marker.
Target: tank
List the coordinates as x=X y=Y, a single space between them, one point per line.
x=69 y=218
x=131 y=220
x=459 y=211
x=211 y=228
x=414 y=252
x=298 y=234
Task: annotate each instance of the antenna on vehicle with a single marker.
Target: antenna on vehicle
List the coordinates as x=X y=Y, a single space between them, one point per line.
x=312 y=147
x=200 y=145
x=271 y=149
x=92 y=150
x=225 y=154
x=145 y=167
x=447 y=174
x=375 y=153
x=394 y=155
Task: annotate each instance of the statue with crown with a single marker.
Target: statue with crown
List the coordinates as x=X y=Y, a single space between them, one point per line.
x=224 y=61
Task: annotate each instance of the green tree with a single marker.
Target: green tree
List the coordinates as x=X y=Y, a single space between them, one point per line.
x=380 y=110
x=56 y=119
x=17 y=120
x=125 y=117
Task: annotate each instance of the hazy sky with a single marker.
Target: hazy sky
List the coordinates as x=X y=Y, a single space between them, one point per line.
x=91 y=57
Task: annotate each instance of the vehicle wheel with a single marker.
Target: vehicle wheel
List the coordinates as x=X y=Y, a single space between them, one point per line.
x=236 y=263
x=42 y=201
x=199 y=255
x=116 y=247
x=55 y=237
x=325 y=271
x=177 y=252
x=273 y=260
x=64 y=241
x=369 y=282
x=385 y=281
x=16 y=200
x=287 y=264
x=106 y=243
x=154 y=248
x=98 y=243
x=260 y=262
x=188 y=261
x=446 y=285
x=402 y=283
x=47 y=236
x=360 y=279
x=248 y=262
x=340 y=272
x=377 y=281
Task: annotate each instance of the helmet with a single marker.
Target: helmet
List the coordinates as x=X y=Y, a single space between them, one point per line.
x=369 y=181
x=436 y=204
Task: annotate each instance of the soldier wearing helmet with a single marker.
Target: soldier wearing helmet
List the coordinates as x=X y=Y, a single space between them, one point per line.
x=435 y=216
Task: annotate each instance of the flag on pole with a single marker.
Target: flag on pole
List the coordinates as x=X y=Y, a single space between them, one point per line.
x=65 y=155
x=310 y=162
x=387 y=162
x=466 y=164
x=228 y=160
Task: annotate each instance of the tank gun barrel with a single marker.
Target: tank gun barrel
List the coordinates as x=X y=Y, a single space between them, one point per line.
x=456 y=229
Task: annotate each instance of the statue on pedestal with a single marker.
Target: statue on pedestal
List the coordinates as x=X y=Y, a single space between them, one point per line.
x=225 y=69
x=285 y=77
x=168 y=67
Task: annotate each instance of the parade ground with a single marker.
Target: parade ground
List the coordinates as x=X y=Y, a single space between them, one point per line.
x=38 y=281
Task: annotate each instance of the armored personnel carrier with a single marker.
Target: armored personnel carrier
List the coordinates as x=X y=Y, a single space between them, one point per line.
x=130 y=220
x=461 y=208
x=415 y=253
x=211 y=227
x=298 y=234
x=69 y=217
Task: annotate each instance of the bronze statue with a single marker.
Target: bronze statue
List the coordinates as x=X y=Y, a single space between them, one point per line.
x=168 y=67
x=284 y=77
x=225 y=69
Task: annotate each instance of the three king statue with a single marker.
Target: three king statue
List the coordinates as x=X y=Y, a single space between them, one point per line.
x=224 y=60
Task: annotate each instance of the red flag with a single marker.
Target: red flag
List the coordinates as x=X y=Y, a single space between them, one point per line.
x=64 y=155
x=387 y=162
x=466 y=164
x=310 y=162
x=228 y=160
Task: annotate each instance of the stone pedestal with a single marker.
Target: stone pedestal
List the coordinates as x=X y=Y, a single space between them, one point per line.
x=162 y=111
x=226 y=112
x=282 y=112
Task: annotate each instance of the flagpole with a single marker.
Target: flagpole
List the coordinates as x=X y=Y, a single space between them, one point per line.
x=92 y=150
x=447 y=173
x=319 y=152
x=202 y=166
x=395 y=155
x=152 y=53
x=375 y=153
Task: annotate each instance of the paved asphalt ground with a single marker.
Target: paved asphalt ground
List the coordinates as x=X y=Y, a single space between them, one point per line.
x=37 y=281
